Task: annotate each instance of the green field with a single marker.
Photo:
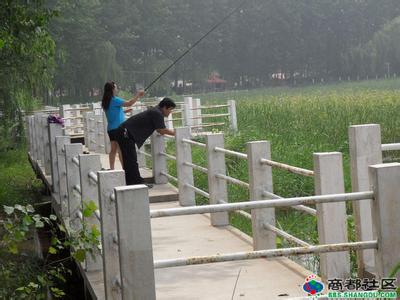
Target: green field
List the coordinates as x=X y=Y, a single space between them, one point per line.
x=299 y=122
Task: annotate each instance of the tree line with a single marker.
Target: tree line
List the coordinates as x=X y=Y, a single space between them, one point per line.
x=70 y=48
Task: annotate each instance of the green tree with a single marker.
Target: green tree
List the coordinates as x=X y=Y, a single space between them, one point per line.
x=26 y=58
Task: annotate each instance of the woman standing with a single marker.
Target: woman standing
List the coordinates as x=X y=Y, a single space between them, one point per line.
x=113 y=107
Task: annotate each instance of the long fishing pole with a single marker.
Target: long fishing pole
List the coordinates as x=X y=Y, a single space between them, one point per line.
x=195 y=44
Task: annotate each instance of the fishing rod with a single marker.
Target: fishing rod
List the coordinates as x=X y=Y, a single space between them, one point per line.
x=195 y=44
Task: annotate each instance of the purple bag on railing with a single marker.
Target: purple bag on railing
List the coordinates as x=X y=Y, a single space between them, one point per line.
x=55 y=119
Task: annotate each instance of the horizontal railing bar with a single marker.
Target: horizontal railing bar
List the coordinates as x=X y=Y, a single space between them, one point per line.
x=73 y=118
x=292 y=169
x=169 y=136
x=194 y=143
x=77 y=188
x=233 y=180
x=198 y=191
x=390 y=147
x=168 y=212
x=286 y=235
x=197 y=260
x=75 y=161
x=239 y=212
x=196 y=167
x=169 y=156
x=178 y=119
x=209 y=106
x=209 y=116
x=208 y=125
x=303 y=208
x=178 y=111
x=93 y=176
x=77 y=108
x=230 y=152
x=169 y=176
x=278 y=231
x=144 y=153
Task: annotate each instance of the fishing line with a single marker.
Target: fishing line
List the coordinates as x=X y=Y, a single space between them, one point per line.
x=195 y=44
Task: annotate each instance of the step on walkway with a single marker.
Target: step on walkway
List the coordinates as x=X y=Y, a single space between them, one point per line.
x=186 y=236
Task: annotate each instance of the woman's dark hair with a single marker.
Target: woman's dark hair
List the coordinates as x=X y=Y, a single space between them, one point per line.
x=108 y=94
x=167 y=103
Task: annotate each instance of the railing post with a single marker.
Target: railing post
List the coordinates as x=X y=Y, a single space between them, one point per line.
x=187 y=112
x=44 y=141
x=328 y=170
x=141 y=158
x=90 y=163
x=74 y=200
x=365 y=149
x=100 y=140
x=91 y=131
x=385 y=180
x=169 y=123
x=66 y=114
x=232 y=115
x=260 y=180
x=30 y=133
x=86 y=128
x=108 y=180
x=40 y=133
x=216 y=186
x=197 y=121
x=62 y=173
x=159 y=161
x=135 y=244
x=54 y=130
x=34 y=138
x=39 y=136
x=45 y=146
x=107 y=143
x=185 y=173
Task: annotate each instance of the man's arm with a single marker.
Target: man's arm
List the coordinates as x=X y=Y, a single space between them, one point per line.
x=166 y=131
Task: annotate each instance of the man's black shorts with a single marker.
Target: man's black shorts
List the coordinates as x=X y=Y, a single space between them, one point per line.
x=112 y=134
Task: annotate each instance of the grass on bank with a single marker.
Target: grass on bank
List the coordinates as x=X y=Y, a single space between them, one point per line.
x=18 y=183
x=299 y=122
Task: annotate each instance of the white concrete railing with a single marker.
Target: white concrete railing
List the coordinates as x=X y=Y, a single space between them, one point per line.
x=328 y=176
x=218 y=179
x=77 y=177
x=385 y=187
x=365 y=149
x=73 y=115
x=190 y=114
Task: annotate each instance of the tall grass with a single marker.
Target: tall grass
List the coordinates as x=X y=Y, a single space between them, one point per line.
x=299 y=122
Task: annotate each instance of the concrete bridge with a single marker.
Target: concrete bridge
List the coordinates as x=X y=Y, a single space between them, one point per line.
x=158 y=243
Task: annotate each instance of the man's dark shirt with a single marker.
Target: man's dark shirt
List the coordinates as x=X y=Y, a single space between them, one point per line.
x=142 y=125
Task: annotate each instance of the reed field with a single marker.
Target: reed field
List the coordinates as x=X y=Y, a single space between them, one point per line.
x=299 y=122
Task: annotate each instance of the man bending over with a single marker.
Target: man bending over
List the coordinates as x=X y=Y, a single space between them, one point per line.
x=136 y=130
